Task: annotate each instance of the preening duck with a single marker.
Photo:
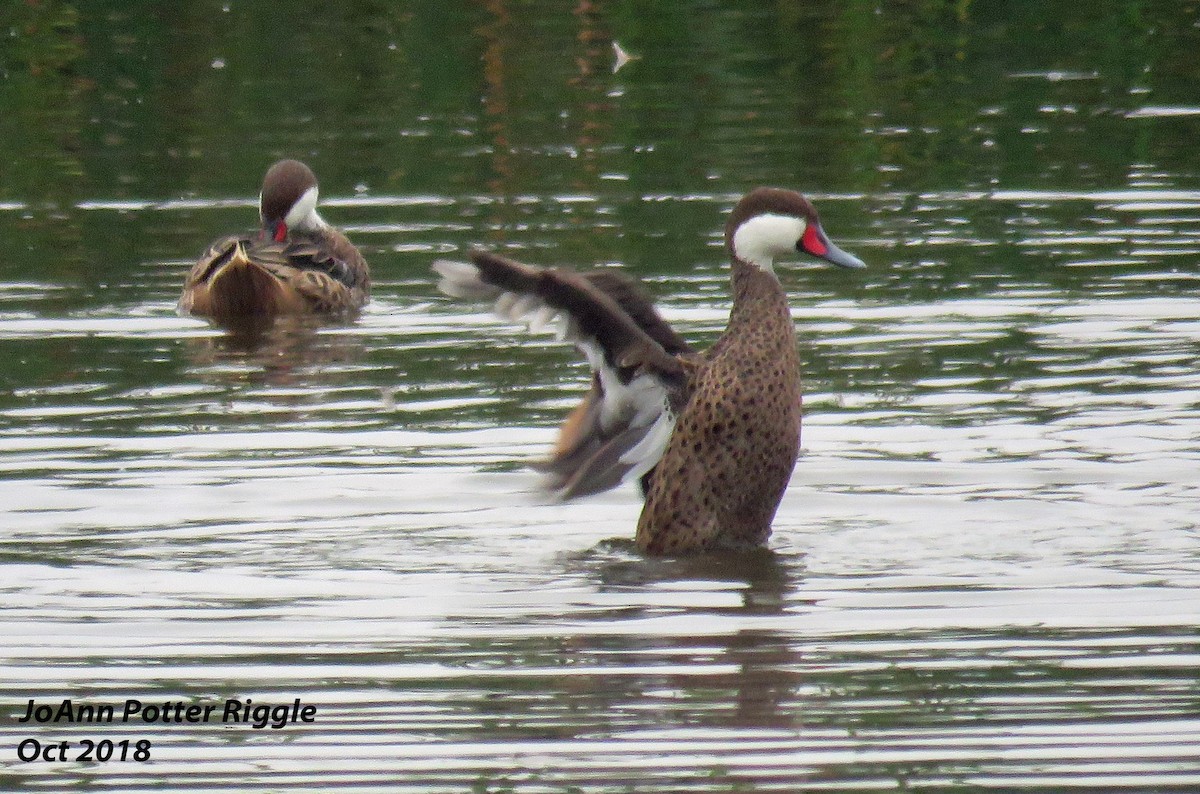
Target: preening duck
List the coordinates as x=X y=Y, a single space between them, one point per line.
x=713 y=437
x=295 y=264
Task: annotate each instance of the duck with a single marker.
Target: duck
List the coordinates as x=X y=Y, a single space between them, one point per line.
x=711 y=436
x=294 y=264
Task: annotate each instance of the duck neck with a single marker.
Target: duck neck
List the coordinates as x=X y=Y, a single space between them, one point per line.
x=312 y=223
x=758 y=298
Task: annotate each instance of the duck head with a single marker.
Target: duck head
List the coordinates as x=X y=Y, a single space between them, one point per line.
x=289 y=200
x=769 y=223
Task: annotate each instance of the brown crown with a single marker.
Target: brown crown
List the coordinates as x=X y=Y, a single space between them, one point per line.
x=284 y=184
x=763 y=200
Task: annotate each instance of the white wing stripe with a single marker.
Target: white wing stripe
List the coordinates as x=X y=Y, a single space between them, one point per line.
x=505 y=303
x=461 y=280
x=646 y=454
x=640 y=403
x=541 y=318
x=526 y=304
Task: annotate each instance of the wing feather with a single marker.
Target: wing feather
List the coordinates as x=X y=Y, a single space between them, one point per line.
x=621 y=429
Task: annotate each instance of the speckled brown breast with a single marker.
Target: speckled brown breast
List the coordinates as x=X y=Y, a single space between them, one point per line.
x=735 y=443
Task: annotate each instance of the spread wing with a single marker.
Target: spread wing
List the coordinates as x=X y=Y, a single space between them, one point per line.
x=641 y=376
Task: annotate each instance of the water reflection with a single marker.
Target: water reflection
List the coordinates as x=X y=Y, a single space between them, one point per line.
x=287 y=351
x=761 y=576
x=752 y=668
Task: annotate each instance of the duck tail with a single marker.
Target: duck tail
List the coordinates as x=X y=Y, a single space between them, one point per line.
x=242 y=287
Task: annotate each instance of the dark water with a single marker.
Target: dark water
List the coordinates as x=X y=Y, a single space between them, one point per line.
x=986 y=572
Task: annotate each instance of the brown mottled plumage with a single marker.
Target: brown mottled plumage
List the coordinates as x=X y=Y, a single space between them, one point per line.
x=295 y=264
x=735 y=443
x=712 y=436
x=581 y=435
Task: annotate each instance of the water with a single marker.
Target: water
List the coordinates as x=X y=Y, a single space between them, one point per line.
x=986 y=572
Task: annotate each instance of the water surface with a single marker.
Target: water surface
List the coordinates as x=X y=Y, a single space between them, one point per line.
x=985 y=573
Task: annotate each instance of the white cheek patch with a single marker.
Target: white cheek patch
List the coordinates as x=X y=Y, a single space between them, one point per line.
x=762 y=238
x=303 y=214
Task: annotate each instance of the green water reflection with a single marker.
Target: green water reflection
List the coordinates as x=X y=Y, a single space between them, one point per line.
x=152 y=101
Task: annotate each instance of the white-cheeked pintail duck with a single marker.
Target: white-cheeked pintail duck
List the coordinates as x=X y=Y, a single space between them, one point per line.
x=295 y=264
x=712 y=436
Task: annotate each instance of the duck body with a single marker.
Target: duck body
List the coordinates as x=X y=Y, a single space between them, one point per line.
x=296 y=264
x=249 y=276
x=735 y=442
x=712 y=437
